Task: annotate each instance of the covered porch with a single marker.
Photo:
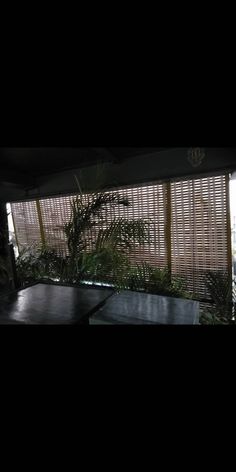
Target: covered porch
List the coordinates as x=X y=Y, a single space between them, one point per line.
x=158 y=250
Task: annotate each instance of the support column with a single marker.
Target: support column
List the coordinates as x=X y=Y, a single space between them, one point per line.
x=40 y=223
x=168 y=225
x=229 y=236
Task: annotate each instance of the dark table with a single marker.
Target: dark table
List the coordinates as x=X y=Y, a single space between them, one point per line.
x=44 y=303
x=132 y=308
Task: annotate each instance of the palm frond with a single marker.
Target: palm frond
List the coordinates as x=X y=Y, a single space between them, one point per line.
x=124 y=234
x=84 y=216
x=222 y=293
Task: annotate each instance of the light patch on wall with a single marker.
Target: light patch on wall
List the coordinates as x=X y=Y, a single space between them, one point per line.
x=12 y=237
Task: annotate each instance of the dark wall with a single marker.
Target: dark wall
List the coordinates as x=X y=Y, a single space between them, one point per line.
x=142 y=168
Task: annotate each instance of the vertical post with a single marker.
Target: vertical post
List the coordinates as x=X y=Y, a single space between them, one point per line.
x=168 y=225
x=228 y=218
x=3 y=230
x=40 y=223
x=13 y=266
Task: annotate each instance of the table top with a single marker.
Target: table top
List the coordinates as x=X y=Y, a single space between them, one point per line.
x=128 y=307
x=51 y=304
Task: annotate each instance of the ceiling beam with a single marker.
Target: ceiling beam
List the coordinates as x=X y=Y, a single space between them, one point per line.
x=18 y=179
x=105 y=153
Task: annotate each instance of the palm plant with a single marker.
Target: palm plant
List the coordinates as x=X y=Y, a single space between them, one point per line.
x=96 y=252
x=222 y=291
x=156 y=280
x=37 y=262
x=83 y=218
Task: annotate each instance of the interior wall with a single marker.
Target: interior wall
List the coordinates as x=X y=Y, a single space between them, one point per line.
x=167 y=164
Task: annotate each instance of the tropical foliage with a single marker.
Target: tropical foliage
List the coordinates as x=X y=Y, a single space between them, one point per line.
x=37 y=262
x=222 y=291
x=99 y=251
x=156 y=280
x=94 y=253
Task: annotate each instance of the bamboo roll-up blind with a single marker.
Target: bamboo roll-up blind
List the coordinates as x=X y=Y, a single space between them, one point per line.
x=55 y=213
x=188 y=231
x=26 y=223
x=145 y=202
x=199 y=229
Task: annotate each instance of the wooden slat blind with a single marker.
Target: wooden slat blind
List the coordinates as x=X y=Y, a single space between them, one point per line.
x=199 y=229
x=26 y=223
x=145 y=202
x=55 y=213
x=188 y=230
